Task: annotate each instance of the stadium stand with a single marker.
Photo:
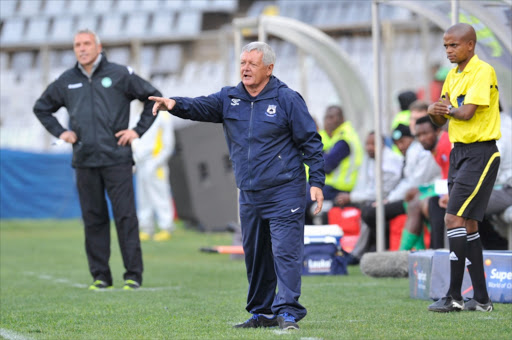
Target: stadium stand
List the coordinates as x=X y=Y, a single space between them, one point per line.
x=181 y=45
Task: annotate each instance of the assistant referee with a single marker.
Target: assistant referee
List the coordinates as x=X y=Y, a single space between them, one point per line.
x=470 y=103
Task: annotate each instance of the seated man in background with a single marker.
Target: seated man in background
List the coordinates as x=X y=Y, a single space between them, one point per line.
x=343 y=155
x=432 y=138
x=364 y=192
x=420 y=168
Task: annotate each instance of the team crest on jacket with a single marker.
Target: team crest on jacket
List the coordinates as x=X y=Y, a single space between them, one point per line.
x=271 y=111
x=235 y=102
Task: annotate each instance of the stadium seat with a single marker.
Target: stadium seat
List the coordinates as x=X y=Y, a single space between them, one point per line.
x=30 y=8
x=7 y=8
x=151 y=5
x=189 y=22
x=37 y=31
x=174 y=4
x=168 y=59
x=111 y=27
x=78 y=7
x=396 y=226
x=101 y=7
x=62 y=30
x=223 y=5
x=87 y=22
x=12 y=30
x=136 y=24
x=348 y=218
x=120 y=55
x=53 y=7
x=162 y=23
x=4 y=59
x=128 y=6
x=22 y=61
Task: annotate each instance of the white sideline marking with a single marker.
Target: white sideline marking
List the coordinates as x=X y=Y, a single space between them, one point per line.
x=10 y=335
x=81 y=285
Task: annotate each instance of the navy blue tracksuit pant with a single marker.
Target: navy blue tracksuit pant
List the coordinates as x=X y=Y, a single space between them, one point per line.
x=273 y=239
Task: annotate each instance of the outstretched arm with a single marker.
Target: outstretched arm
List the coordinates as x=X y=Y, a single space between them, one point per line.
x=162 y=104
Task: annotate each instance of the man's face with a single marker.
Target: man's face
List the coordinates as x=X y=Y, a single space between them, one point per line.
x=253 y=72
x=458 y=50
x=86 y=49
x=427 y=136
x=415 y=115
x=332 y=120
x=403 y=144
x=370 y=146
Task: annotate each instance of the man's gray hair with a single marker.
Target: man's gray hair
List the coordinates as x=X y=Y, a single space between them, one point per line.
x=269 y=57
x=88 y=31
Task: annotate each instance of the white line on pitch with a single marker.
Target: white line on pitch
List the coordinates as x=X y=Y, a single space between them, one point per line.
x=81 y=285
x=10 y=335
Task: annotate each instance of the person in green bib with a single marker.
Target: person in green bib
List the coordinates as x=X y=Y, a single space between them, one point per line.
x=343 y=155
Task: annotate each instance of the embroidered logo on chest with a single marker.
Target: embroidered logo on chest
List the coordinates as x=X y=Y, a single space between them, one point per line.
x=235 y=102
x=271 y=111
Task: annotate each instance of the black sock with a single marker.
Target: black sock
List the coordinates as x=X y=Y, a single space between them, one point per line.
x=457 y=240
x=476 y=267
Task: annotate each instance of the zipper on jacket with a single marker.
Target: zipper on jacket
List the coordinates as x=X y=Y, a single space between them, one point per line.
x=91 y=87
x=249 y=148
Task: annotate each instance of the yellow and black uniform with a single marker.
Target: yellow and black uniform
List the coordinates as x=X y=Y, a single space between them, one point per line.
x=344 y=176
x=475 y=159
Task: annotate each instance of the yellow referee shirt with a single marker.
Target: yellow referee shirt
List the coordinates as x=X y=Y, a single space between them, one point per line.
x=476 y=85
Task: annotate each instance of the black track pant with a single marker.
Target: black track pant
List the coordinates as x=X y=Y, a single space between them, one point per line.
x=117 y=182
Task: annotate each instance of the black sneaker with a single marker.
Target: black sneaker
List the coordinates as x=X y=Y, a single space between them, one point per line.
x=287 y=321
x=99 y=285
x=257 y=321
x=474 y=305
x=447 y=304
x=131 y=285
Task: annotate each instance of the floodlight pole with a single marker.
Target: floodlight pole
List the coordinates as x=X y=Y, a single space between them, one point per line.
x=455 y=12
x=378 y=126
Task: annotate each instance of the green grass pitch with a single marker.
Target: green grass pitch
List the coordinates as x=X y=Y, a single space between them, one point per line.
x=187 y=294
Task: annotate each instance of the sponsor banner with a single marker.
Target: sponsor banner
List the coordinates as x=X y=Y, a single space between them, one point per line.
x=420 y=266
x=436 y=280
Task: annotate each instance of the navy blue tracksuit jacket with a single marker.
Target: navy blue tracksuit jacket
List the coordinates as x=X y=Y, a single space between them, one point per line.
x=269 y=138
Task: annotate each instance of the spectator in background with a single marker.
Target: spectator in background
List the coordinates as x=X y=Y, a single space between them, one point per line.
x=343 y=155
x=97 y=96
x=270 y=135
x=419 y=168
x=151 y=154
x=435 y=140
x=405 y=99
x=471 y=103
x=364 y=193
x=436 y=84
x=418 y=109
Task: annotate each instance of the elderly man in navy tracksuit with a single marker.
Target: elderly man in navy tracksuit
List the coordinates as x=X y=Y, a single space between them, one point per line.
x=270 y=135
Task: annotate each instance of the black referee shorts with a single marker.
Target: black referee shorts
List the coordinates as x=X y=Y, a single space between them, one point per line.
x=473 y=170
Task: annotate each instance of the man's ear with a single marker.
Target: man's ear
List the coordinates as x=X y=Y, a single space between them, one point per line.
x=270 y=69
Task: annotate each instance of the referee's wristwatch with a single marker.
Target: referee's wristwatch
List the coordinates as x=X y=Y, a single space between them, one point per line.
x=450 y=112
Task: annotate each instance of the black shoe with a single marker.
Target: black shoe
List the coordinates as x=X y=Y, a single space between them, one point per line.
x=287 y=321
x=257 y=321
x=474 y=305
x=447 y=304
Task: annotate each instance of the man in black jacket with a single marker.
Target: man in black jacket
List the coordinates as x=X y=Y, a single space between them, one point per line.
x=97 y=96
